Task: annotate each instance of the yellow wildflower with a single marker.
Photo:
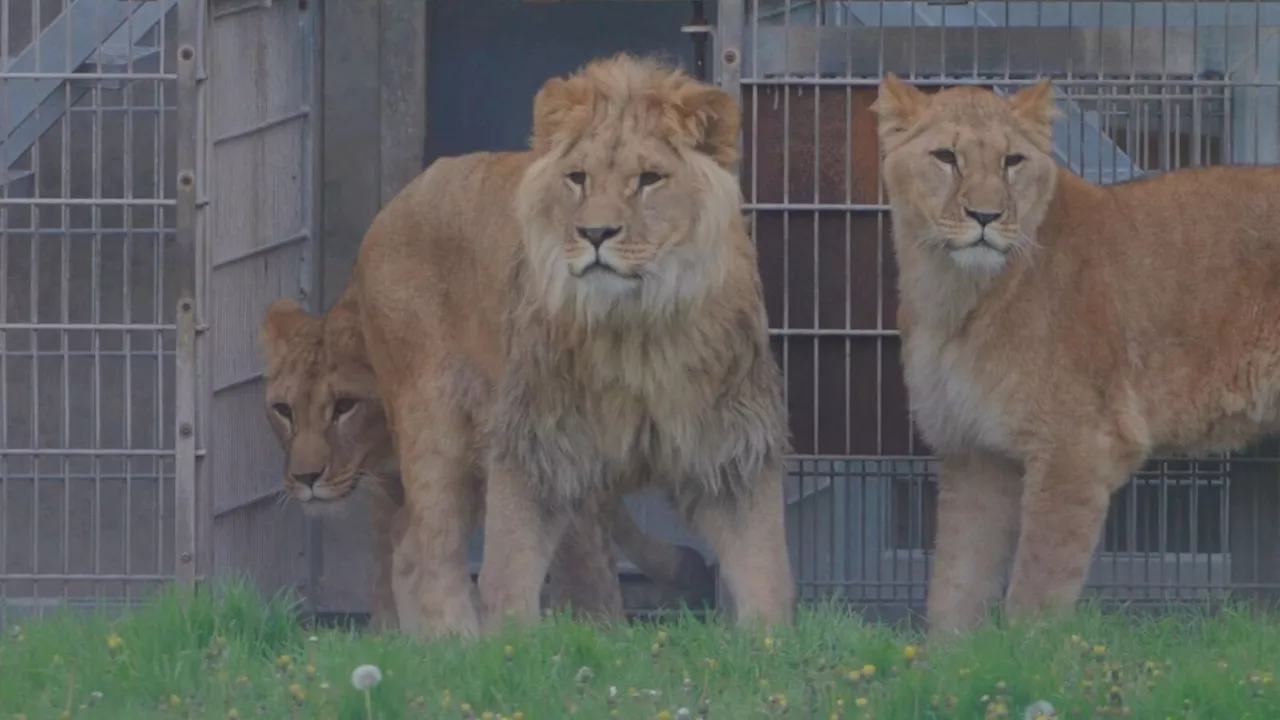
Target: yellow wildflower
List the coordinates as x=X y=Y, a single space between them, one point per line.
x=284 y=661
x=114 y=642
x=768 y=644
x=299 y=694
x=868 y=670
x=175 y=701
x=910 y=652
x=1099 y=650
x=860 y=702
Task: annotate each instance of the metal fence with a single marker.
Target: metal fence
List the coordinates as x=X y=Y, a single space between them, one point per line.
x=139 y=180
x=1144 y=87
x=157 y=185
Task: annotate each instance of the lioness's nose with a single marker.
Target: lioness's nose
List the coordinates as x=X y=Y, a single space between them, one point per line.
x=597 y=235
x=307 y=478
x=982 y=218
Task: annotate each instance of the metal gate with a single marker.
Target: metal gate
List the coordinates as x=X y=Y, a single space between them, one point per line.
x=155 y=194
x=1144 y=87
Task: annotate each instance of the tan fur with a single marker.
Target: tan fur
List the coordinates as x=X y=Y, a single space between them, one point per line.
x=314 y=361
x=499 y=347
x=1118 y=322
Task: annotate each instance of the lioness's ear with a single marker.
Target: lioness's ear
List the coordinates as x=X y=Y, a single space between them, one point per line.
x=1035 y=104
x=710 y=117
x=561 y=105
x=283 y=317
x=343 y=337
x=897 y=105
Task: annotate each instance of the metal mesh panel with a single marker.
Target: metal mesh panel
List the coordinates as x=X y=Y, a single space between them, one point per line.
x=86 y=302
x=1144 y=87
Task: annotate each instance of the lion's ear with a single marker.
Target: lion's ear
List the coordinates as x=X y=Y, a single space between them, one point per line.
x=562 y=106
x=1035 y=104
x=897 y=105
x=343 y=336
x=282 y=318
x=710 y=118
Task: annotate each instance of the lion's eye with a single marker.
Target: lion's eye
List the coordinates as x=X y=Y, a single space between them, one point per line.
x=577 y=177
x=284 y=411
x=1014 y=159
x=342 y=406
x=648 y=178
x=945 y=155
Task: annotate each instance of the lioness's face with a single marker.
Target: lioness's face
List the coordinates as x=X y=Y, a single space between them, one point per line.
x=975 y=172
x=327 y=416
x=622 y=201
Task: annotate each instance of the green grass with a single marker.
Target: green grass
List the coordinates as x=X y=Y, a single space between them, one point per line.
x=236 y=656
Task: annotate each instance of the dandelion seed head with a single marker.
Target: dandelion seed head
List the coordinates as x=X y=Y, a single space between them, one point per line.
x=366 y=677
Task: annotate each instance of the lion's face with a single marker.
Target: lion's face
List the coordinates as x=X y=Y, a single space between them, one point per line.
x=973 y=171
x=323 y=405
x=627 y=201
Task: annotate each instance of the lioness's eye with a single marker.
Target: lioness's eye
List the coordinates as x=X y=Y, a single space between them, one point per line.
x=1014 y=159
x=945 y=155
x=577 y=177
x=284 y=411
x=649 y=178
x=342 y=406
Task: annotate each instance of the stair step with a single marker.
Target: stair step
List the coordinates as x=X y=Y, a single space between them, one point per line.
x=113 y=58
x=17 y=183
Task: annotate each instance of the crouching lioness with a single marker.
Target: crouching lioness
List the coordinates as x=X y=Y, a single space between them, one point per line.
x=323 y=405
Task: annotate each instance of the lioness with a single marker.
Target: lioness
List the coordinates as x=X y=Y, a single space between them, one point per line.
x=1057 y=333
x=581 y=318
x=323 y=405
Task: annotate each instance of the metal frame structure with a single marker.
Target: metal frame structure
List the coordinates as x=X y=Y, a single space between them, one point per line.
x=157 y=162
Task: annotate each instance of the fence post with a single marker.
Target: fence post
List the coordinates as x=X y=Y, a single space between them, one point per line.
x=189 y=540
x=1254 y=524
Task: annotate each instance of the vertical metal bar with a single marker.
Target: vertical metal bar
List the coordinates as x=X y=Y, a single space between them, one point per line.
x=65 y=311
x=730 y=25
x=190 y=20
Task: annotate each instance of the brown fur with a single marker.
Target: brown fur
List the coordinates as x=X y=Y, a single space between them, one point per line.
x=584 y=383
x=1118 y=322
x=314 y=361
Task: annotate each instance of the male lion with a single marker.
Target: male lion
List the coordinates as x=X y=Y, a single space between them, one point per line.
x=323 y=405
x=1057 y=333
x=581 y=319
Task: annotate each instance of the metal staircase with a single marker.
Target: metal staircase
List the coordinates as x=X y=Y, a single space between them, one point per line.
x=1078 y=139
x=90 y=38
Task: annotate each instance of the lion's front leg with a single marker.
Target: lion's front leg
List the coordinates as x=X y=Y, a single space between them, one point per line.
x=748 y=534
x=520 y=538
x=977 y=529
x=444 y=501
x=1064 y=505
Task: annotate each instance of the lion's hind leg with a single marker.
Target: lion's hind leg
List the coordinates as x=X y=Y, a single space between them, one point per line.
x=584 y=573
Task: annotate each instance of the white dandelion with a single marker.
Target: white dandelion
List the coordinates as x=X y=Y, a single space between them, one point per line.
x=366 y=677
x=1040 y=710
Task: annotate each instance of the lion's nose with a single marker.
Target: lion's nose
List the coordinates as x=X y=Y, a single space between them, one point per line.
x=982 y=218
x=307 y=478
x=597 y=235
